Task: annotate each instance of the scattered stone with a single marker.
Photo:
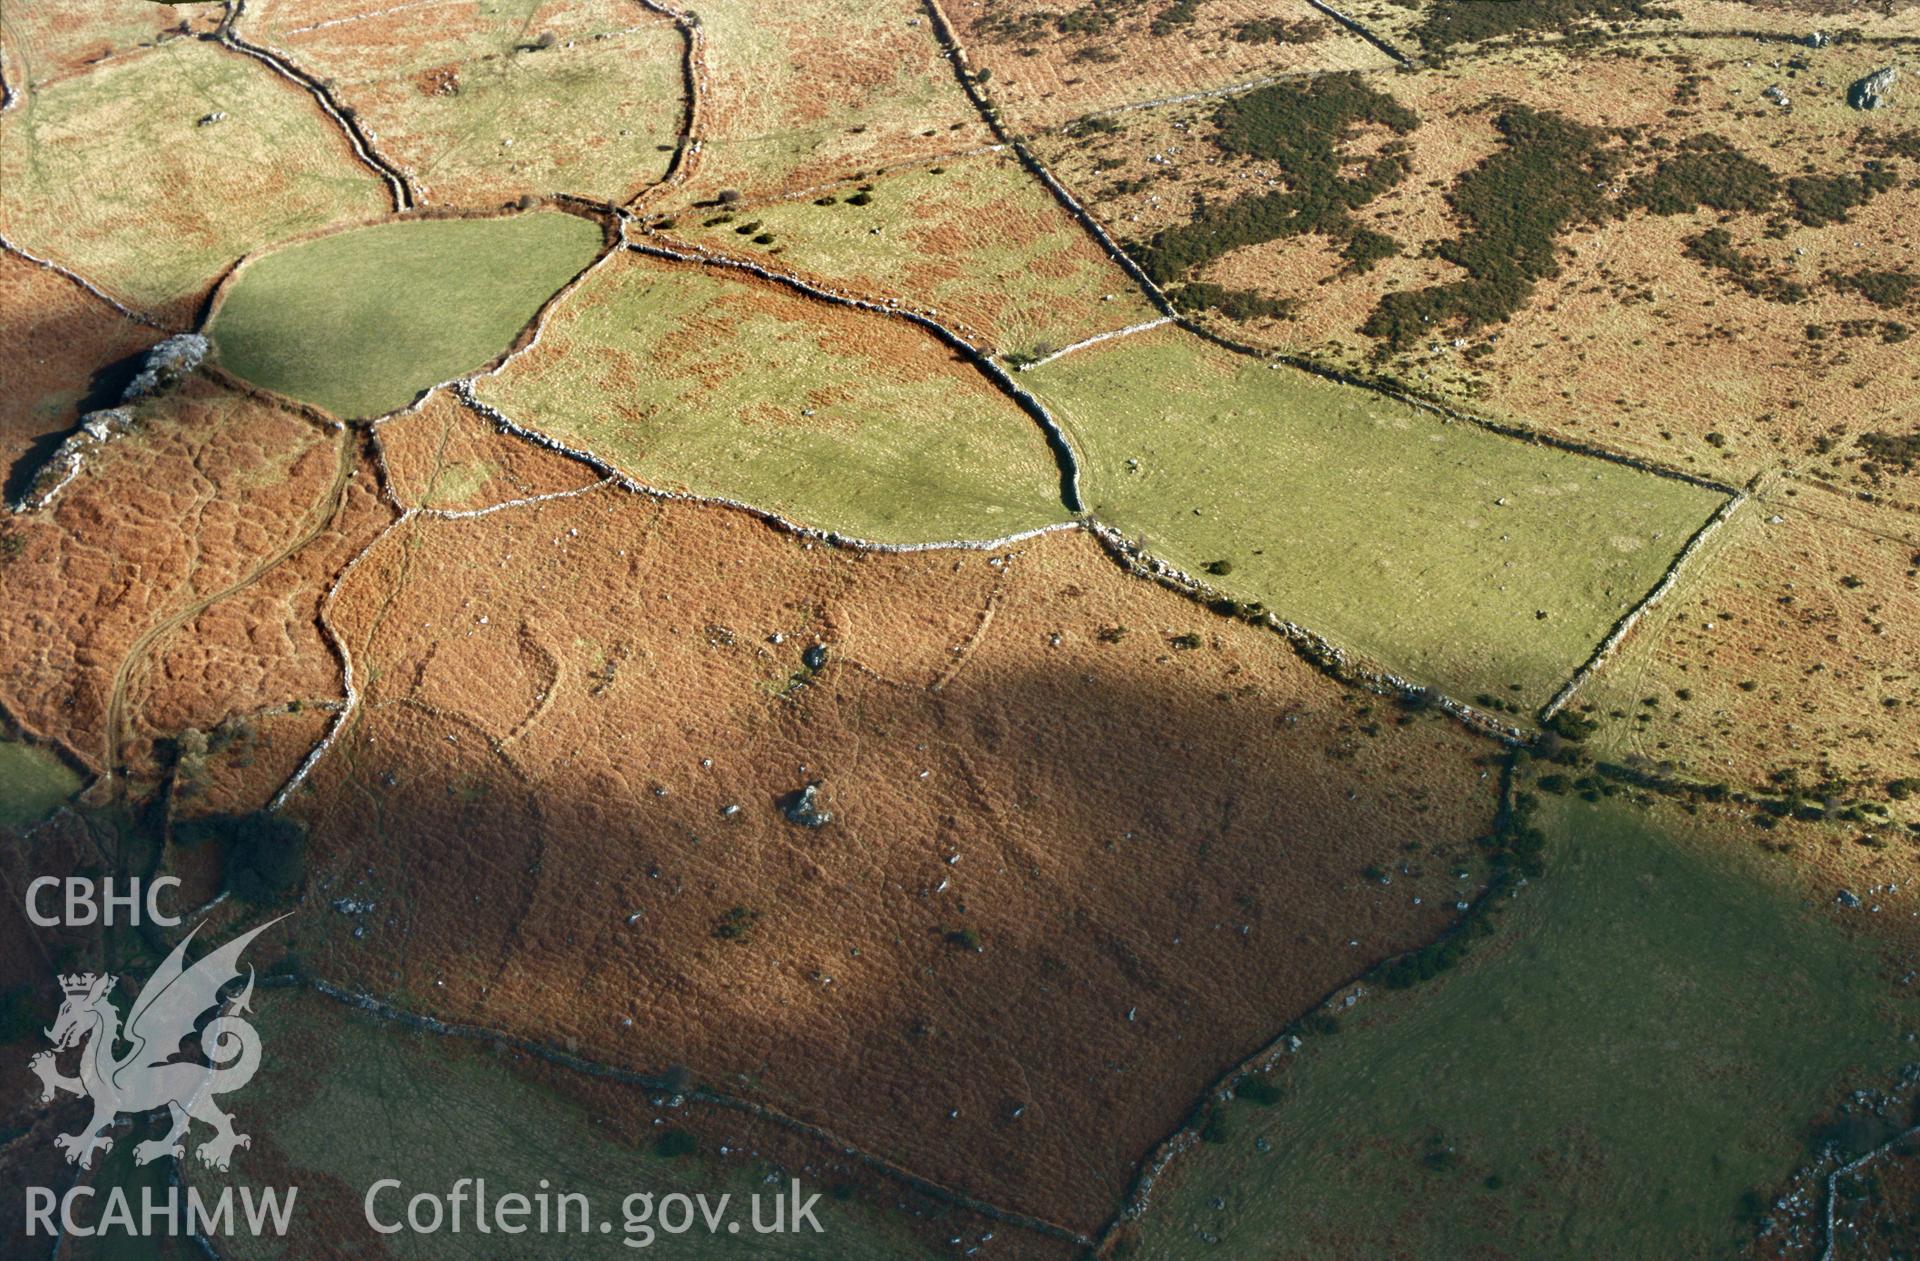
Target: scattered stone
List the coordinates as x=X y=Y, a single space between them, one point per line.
x=208 y=120
x=801 y=807
x=1873 y=91
x=1849 y=899
x=1817 y=40
x=814 y=657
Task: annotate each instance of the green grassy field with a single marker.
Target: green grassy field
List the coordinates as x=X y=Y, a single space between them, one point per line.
x=478 y=112
x=1432 y=548
x=367 y=1100
x=32 y=783
x=42 y=41
x=980 y=240
x=360 y=322
x=834 y=418
x=1648 y=1036
x=815 y=90
x=113 y=174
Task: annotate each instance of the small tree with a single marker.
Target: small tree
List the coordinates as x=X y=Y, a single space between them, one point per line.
x=267 y=858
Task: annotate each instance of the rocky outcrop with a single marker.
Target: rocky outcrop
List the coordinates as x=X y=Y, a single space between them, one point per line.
x=802 y=807
x=96 y=429
x=1874 y=91
x=166 y=365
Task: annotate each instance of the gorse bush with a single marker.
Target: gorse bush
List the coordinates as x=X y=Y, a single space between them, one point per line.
x=1278 y=31
x=1548 y=176
x=1453 y=22
x=1819 y=200
x=266 y=853
x=1258 y=1090
x=1235 y=304
x=1707 y=171
x=1902 y=449
x=1367 y=247
x=1303 y=129
x=1885 y=289
x=1715 y=248
x=1515 y=852
x=1176 y=15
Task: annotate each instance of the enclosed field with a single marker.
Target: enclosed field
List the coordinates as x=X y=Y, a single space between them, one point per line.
x=152 y=173
x=253 y=670
x=44 y=43
x=976 y=238
x=360 y=322
x=708 y=382
x=482 y=103
x=1626 y=1070
x=1785 y=660
x=454 y=1108
x=798 y=94
x=33 y=782
x=575 y=789
x=1460 y=558
x=446 y=457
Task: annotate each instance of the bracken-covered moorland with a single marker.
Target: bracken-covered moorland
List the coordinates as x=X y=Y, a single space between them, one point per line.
x=1140 y=628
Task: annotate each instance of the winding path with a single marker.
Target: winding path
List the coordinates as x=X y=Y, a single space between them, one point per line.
x=320 y=519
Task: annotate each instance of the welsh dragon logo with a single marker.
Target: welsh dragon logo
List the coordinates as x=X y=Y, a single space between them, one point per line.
x=151 y=1074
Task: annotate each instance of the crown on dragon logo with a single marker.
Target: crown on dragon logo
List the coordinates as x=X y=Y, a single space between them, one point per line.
x=151 y=1074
